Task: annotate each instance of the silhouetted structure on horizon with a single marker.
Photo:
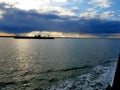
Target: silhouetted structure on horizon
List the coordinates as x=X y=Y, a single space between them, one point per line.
x=35 y=37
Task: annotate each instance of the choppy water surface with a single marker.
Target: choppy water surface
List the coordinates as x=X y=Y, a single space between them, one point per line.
x=60 y=64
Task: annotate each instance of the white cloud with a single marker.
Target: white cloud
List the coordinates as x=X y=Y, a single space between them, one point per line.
x=32 y=4
x=90 y=9
x=10 y=2
x=41 y=6
x=79 y=1
x=63 y=1
x=101 y=3
x=56 y=10
x=88 y=15
x=107 y=14
x=94 y=14
x=75 y=8
x=1 y=14
x=65 y=12
x=60 y=7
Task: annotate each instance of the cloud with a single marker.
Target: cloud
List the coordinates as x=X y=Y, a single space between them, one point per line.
x=101 y=3
x=65 y=12
x=63 y=1
x=56 y=10
x=78 y=1
x=1 y=13
x=62 y=8
x=40 y=6
x=91 y=9
x=93 y=14
x=88 y=15
x=17 y=21
x=107 y=14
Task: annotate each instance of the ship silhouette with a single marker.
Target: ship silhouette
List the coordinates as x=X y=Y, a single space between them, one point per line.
x=33 y=37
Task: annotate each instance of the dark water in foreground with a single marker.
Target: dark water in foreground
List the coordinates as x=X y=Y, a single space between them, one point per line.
x=60 y=64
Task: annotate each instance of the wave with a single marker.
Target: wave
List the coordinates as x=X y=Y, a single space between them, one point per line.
x=68 y=69
x=98 y=79
x=57 y=70
x=4 y=84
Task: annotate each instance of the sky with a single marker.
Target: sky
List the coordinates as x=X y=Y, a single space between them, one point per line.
x=91 y=17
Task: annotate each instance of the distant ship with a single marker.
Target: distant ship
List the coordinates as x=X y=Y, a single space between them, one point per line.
x=35 y=37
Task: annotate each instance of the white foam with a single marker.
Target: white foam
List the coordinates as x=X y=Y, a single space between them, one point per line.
x=98 y=79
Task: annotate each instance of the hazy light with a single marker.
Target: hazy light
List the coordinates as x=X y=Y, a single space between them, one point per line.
x=59 y=34
x=114 y=35
x=6 y=34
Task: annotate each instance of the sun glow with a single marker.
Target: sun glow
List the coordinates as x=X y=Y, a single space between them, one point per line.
x=59 y=34
x=6 y=34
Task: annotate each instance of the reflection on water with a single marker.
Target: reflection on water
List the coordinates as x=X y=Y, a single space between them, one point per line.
x=37 y=64
x=21 y=54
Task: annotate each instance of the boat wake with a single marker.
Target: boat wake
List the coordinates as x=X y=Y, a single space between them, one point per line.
x=98 y=79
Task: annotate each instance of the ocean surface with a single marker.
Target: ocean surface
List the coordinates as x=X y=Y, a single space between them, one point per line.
x=59 y=64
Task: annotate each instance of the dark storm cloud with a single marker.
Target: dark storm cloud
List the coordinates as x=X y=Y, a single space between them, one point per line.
x=19 y=21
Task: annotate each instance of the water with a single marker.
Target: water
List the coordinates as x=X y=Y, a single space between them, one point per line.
x=60 y=64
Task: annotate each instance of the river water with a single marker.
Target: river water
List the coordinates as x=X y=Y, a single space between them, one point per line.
x=58 y=64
